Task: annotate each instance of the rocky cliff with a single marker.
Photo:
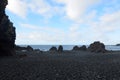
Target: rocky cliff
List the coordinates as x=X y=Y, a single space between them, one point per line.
x=7 y=32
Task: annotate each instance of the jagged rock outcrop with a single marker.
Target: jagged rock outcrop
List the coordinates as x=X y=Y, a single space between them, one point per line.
x=60 y=48
x=7 y=32
x=97 y=47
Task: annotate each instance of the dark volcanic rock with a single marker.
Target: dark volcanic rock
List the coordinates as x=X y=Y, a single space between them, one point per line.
x=76 y=48
x=60 y=48
x=19 y=48
x=29 y=48
x=117 y=44
x=83 y=48
x=97 y=47
x=53 y=49
x=7 y=32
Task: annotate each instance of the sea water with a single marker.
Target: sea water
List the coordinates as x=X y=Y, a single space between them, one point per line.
x=69 y=47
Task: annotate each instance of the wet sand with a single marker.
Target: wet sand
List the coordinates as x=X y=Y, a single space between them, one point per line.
x=69 y=65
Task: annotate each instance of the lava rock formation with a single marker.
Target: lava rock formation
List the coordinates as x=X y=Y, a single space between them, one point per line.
x=7 y=32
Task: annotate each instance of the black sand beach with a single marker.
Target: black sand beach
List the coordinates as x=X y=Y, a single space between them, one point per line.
x=69 y=65
x=59 y=22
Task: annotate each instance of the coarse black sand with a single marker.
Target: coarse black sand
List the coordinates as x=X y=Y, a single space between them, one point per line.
x=69 y=65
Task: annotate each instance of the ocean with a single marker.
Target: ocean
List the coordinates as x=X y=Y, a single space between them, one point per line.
x=69 y=47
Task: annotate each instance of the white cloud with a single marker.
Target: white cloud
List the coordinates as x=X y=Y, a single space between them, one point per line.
x=47 y=35
x=41 y=7
x=75 y=9
x=41 y=28
x=87 y=25
x=45 y=9
x=41 y=34
x=109 y=22
x=96 y=30
x=105 y=28
x=18 y=7
x=111 y=18
x=40 y=38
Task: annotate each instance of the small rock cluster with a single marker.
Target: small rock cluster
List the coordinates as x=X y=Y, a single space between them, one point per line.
x=96 y=47
x=7 y=32
x=54 y=49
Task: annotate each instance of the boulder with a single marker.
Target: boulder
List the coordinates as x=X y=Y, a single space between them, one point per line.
x=53 y=49
x=97 y=47
x=76 y=48
x=60 y=48
x=83 y=48
x=7 y=32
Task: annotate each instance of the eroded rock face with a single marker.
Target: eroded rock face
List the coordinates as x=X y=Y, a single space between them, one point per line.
x=97 y=47
x=7 y=32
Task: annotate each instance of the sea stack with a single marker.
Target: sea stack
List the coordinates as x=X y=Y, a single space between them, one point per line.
x=7 y=32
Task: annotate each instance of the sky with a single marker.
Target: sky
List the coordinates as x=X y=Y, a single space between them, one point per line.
x=65 y=21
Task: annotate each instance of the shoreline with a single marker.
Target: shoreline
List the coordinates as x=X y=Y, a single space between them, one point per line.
x=67 y=47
